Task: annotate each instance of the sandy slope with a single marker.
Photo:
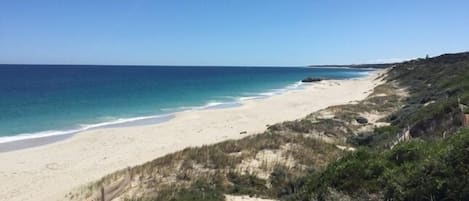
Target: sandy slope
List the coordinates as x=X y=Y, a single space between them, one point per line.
x=49 y=172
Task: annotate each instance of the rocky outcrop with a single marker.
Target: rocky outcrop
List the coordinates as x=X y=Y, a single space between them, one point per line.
x=311 y=79
x=361 y=120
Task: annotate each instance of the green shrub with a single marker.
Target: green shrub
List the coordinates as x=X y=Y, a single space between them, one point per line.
x=246 y=184
x=417 y=170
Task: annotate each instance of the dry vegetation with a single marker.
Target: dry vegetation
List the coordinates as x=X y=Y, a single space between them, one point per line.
x=265 y=165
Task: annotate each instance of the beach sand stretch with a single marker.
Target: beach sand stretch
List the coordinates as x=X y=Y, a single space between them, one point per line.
x=49 y=172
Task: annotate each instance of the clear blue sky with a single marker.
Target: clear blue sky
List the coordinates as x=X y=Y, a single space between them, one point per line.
x=229 y=32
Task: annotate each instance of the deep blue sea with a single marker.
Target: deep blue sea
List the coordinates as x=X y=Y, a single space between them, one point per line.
x=42 y=100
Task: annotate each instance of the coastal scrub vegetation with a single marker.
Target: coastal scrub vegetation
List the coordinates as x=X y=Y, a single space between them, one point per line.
x=403 y=142
x=415 y=170
x=432 y=165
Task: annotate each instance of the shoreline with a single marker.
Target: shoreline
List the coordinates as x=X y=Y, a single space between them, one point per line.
x=29 y=140
x=35 y=141
x=25 y=141
x=48 y=172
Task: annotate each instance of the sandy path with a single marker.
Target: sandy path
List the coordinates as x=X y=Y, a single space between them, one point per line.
x=49 y=172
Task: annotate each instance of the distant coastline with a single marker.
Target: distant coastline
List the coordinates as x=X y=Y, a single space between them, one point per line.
x=358 y=66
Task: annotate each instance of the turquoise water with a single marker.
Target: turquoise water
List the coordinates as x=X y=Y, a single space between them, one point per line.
x=42 y=100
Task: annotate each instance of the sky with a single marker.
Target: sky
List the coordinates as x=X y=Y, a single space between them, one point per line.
x=229 y=32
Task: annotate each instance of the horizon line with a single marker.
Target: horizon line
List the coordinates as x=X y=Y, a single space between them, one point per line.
x=173 y=65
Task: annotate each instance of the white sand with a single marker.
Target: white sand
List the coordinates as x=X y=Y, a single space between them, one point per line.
x=49 y=172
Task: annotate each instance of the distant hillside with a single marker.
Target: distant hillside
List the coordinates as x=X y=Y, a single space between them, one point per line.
x=431 y=160
x=379 y=66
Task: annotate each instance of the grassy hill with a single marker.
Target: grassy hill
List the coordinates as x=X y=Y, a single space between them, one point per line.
x=432 y=165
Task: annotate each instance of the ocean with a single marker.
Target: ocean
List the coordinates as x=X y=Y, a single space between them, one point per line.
x=48 y=100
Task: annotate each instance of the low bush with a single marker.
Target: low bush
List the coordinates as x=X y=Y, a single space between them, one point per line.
x=416 y=170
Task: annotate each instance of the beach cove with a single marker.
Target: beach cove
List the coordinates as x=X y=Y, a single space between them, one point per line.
x=49 y=172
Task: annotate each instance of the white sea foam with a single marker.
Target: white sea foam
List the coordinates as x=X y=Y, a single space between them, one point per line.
x=25 y=136
x=184 y=108
x=211 y=104
x=85 y=127
x=244 y=98
x=121 y=121
x=272 y=92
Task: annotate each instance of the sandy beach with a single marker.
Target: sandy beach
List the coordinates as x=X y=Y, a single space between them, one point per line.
x=48 y=172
